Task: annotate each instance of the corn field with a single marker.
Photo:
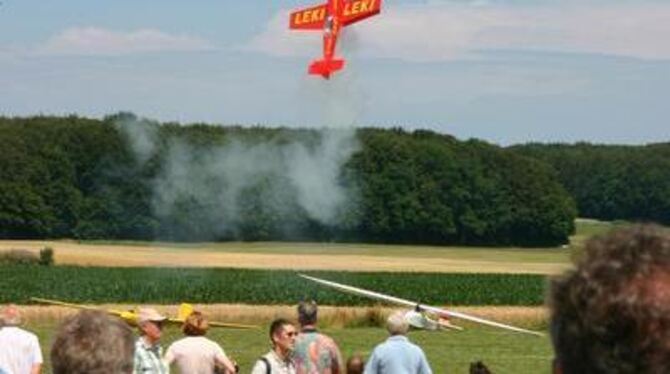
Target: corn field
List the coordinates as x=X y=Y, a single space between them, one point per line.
x=173 y=285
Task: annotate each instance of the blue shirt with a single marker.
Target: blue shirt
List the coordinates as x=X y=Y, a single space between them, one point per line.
x=397 y=355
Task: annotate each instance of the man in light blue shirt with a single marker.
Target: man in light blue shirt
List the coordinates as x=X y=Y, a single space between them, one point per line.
x=397 y=355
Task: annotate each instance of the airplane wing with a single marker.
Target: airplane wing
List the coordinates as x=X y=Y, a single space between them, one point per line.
x=417 y=306
x=130 y=316
x=357 y=10
x=127 y=315
x=312 y=18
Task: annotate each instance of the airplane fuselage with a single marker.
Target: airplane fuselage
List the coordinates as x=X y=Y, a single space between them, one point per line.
x=331 y=17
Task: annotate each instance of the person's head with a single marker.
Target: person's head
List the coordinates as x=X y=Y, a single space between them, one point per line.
x=282 y=335
x=307 y=311
x=396 y=324
x=150 y=323
x=611 y=314
x=478 y=367
x=195 y=325
x=91 y=342
x=355 y=364
x=10 y=316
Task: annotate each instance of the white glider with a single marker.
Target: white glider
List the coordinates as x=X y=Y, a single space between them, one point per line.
x=417 y=306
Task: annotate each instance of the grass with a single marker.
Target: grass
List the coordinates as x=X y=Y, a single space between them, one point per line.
x=447 y=352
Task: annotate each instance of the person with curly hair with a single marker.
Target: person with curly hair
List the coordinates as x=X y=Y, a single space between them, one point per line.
x=611 y=313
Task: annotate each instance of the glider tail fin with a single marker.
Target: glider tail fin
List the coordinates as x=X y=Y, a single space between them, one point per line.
x=325 y=68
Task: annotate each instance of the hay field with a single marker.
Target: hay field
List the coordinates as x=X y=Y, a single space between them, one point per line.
x=329 y=316
x=320 y=256
x=304 y=256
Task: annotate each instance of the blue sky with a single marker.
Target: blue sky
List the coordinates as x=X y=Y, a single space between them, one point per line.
x=503 y=71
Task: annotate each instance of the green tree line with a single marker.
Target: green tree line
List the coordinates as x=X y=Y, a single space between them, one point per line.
x=611 y=182
x=74 y=177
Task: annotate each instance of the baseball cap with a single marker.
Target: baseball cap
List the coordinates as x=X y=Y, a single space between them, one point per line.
x=149 y=314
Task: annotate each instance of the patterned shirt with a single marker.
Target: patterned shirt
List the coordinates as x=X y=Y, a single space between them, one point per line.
x=148 y=359
x=316 y=353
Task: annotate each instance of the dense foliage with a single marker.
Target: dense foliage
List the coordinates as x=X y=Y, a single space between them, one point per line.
x=612 y=182
x=173 y=285
x=72 y=177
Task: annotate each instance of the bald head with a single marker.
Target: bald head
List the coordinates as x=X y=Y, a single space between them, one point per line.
x=396 y=324
x=10 y=316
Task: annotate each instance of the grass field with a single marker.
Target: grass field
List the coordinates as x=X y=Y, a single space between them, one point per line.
x=448 y=352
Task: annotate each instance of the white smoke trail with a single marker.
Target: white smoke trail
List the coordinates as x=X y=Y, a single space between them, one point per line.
x=304 y=172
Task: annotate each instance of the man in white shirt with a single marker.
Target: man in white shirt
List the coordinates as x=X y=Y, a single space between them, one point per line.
x=278 y=360
x=19 y=349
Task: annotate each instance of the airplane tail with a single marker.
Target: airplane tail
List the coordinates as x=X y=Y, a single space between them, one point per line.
x=185 y=310
x=325 y=68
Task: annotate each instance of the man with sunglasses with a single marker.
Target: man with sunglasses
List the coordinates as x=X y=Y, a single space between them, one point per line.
x=148 y=352
x=278 y=360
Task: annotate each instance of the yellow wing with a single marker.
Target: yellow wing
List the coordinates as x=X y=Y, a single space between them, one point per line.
x=130 y=316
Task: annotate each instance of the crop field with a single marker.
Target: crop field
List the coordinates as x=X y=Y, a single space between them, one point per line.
x=172 y=285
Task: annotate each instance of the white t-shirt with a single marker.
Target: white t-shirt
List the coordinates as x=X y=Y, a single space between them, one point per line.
x=19 y=350
x=195 y=355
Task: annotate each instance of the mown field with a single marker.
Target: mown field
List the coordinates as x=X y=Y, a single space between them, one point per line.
x=447 y=352
x=358 y=329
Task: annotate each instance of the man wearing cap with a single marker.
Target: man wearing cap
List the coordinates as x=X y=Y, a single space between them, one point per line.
x=19 y=349
x=148 y=352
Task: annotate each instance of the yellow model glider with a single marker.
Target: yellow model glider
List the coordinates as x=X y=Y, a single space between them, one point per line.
x=130 y=316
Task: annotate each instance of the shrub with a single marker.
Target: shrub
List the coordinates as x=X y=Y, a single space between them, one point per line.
x=46 y=256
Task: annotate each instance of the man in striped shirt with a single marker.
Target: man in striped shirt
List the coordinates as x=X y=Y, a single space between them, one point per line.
x=148 y=352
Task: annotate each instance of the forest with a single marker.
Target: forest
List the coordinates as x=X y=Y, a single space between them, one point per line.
x=129 y=178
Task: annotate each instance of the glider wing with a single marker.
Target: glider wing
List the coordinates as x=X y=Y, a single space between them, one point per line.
x=417 y=306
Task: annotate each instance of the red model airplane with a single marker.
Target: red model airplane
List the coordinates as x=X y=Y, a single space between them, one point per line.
x=331 y=17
